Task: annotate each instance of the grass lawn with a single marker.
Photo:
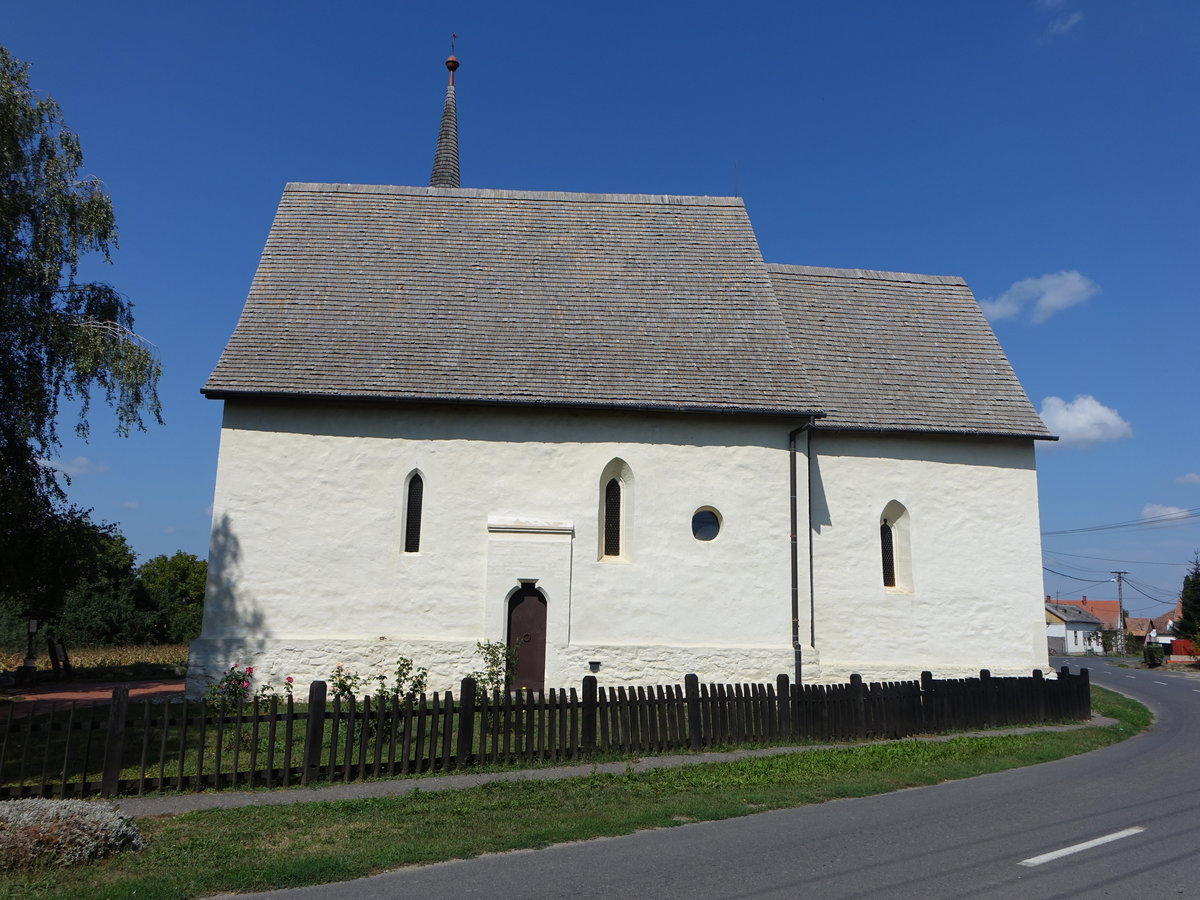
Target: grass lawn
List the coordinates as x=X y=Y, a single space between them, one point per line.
x=251 y=849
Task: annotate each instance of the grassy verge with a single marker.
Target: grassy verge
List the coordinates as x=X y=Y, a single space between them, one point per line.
x=204 y=853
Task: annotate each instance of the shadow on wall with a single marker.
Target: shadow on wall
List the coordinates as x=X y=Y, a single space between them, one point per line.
x=229 y=613
x=818 y=504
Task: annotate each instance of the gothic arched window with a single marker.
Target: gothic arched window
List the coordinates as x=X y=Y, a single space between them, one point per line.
x=412 y=513
x=612 y=518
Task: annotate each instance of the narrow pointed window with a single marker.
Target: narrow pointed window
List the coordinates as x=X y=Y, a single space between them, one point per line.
x=612 y=518
x=889 y=554
x=412 y=514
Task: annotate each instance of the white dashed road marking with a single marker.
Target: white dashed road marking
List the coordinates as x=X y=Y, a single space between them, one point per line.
x=1076 y=848
x=1160 y=682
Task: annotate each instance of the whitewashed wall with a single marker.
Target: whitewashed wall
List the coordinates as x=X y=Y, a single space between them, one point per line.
x=307 y=568
x=973 y=597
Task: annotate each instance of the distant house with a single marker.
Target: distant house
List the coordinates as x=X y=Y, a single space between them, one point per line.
x=1070 y=629
x=1107 y=611
x=1163 y=628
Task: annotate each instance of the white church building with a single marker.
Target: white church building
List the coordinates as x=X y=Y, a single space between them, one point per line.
x=601 y=428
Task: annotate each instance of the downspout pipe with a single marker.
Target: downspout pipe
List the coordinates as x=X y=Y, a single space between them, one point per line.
x=795 y=544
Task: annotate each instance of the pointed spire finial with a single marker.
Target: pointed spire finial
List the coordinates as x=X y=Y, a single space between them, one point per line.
x=445 y=158
x=452 y=60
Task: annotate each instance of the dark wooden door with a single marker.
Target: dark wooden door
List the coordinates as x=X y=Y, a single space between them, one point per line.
x=527 y=633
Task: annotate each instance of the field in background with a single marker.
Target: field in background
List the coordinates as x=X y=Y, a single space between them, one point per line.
x=101 y=660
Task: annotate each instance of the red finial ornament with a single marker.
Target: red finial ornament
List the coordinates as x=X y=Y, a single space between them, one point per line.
x=452 y=60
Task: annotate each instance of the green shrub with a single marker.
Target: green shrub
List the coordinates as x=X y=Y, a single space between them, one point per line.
x=36 y=833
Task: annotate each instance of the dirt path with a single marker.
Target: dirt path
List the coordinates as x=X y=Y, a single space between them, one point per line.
x=40 y=698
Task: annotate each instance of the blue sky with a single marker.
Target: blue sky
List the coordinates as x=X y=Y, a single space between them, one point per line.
x=1045 y=150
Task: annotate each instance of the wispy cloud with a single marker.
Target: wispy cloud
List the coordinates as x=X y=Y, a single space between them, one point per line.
x=170 y=529
x=79 y=465
x=1042 y=296
x=1189 y=478
x=1159 y=511
x=1084 y=421
x=1061 y=21
x=131 y=504
x=1063 y=24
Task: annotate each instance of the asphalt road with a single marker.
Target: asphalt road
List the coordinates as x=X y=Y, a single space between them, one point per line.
x=1013 y=834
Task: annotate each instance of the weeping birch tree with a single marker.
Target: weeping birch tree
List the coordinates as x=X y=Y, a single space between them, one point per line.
x=61 y=339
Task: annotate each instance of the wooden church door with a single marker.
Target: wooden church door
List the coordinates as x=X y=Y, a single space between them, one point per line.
x=527 y=633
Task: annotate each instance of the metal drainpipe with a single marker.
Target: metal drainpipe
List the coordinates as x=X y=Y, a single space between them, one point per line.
x=798 y=661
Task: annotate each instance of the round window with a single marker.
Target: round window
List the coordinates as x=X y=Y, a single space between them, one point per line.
x=706 y=524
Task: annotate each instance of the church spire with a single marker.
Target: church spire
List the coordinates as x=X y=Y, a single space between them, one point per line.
x=445 y=158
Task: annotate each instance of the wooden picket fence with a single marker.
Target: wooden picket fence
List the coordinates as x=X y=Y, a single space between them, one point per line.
x=79 y=749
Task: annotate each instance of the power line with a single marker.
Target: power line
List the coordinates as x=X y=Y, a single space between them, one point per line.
x=1139 y=562
x=1147 y=596
x=1166 y=519
x=1073 y=578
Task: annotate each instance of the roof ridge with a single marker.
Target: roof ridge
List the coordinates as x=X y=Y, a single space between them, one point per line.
x=496 y=194
x=870 y=274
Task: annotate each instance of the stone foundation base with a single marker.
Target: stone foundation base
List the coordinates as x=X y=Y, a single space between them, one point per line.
x=311 y=659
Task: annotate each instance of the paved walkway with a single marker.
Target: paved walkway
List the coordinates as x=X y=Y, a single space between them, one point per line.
x=173 y=804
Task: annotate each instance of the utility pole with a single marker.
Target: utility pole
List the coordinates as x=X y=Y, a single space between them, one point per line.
x=1120 y=600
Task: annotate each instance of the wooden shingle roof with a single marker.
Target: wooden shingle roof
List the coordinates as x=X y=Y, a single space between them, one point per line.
x=889 y=351
x=598 y=300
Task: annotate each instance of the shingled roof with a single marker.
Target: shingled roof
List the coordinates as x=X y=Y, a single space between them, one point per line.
x=596 y=300
x=890 y=351
x=435 y=294
x=1073 y=615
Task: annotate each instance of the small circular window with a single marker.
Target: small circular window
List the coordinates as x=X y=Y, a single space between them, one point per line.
x=706 y=524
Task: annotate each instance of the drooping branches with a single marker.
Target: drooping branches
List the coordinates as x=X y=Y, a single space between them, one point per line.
x=59 y=338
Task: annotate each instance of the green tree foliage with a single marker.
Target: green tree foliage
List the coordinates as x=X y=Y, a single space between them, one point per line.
x=1188 y=625
x=108 y=605
x=60 y=338
x=175 y=587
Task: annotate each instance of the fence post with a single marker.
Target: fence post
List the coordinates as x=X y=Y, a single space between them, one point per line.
x=466 y=721
x=1039 y=695
x=1085 y=693
x=985 y=686
x=928 y=704
x=691 y=690
x=315 y=732
x=783 y=696
x=114 y=740
x=859 y=705
x=587 y=728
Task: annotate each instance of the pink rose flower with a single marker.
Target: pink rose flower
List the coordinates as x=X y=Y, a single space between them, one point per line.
x=245 y=684
x=289 y=679
x=249 y=671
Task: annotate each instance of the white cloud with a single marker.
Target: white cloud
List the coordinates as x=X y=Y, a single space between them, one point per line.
x=1159 y=511
x=79 y=465
x=1048 y=294
x=1063 y=24
x=1084 y=421
x=131 y=504
x=170 y=529
x=1189 y=478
